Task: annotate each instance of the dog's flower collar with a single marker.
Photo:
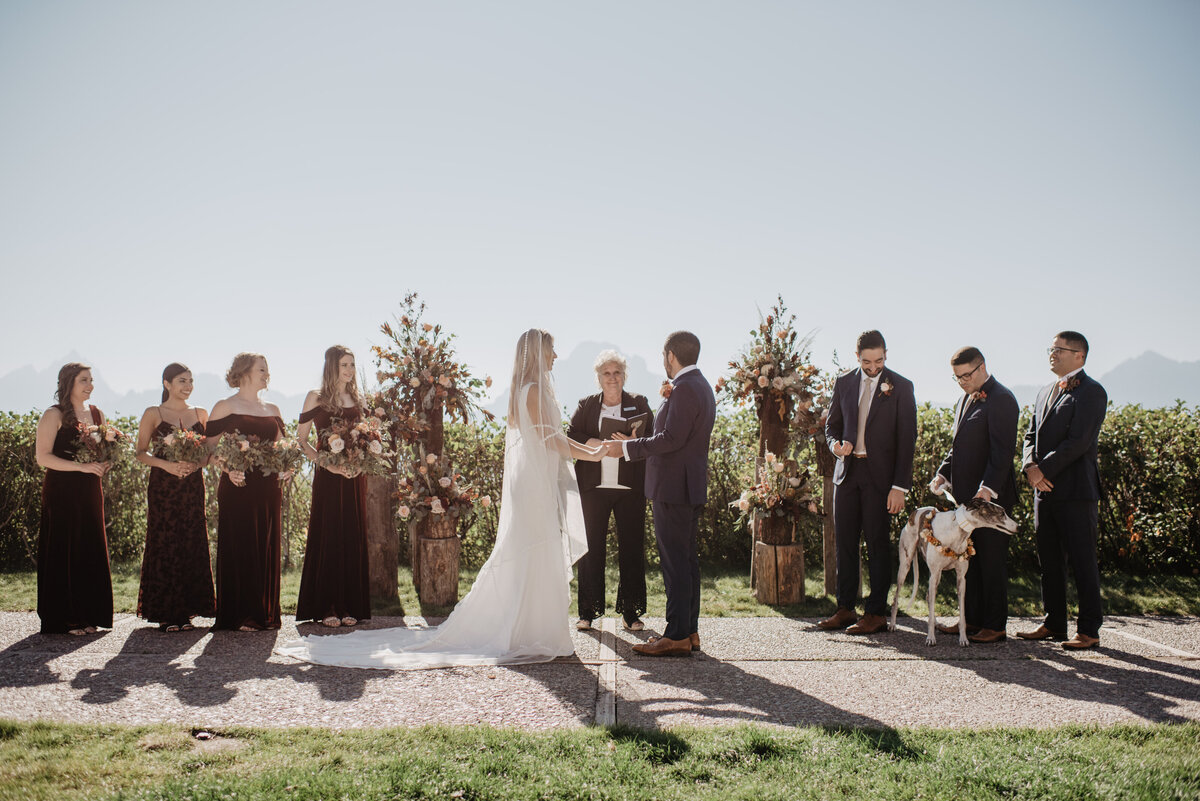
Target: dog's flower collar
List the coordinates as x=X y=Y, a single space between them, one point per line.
x=928 y=535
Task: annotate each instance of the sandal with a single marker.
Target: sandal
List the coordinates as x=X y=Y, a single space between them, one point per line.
x=187 y=627
x=168 y=627
x=331 y=622
x=248 y=628
x=76 y=632
x=90 y=629
x=636 y=625
x=349 y=621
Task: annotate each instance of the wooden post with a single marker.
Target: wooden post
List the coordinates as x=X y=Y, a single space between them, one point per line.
x=779 y=563
x=383 y=545
x=438 y=547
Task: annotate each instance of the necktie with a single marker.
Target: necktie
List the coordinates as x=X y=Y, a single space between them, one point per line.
x=864 y=408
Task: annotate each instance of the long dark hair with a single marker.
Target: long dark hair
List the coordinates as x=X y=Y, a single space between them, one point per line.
x=66 y=382
x=169 y=373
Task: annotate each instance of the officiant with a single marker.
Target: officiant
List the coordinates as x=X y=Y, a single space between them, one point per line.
x=612 y=488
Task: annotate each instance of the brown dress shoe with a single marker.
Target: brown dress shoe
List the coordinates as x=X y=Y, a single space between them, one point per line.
x=953 y=628
x=1042 y=633
x=840 y=620
x=695 y=641
x=1081 y=642
x=662 y=646
x=987 y=636
x=868 y=624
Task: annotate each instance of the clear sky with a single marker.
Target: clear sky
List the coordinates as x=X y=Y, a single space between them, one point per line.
x=181 y=181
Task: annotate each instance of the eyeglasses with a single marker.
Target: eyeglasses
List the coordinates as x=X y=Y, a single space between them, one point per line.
x=962 y=379
x=1051 y=351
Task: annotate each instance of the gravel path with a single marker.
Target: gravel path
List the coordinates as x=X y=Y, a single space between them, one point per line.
x=767 y=670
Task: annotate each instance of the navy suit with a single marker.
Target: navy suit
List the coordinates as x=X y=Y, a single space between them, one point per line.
x=981 y=455
x=861 y=486
x=677 y=486
x=1063 y=440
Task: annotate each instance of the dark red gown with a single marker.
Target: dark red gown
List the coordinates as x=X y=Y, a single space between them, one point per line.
x=336 y=579
x=177 y=581
x=74 y=584
x=249 y=534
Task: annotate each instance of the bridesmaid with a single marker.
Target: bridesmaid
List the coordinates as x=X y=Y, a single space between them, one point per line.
x=249 y=506
x=74 y=585
x=177 y=579
x=335 y=585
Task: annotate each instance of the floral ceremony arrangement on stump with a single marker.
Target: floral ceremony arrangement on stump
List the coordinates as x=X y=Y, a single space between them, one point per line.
x=782 y=491
x=431 y=487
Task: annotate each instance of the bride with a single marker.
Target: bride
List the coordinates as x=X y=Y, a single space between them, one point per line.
x=517 y=610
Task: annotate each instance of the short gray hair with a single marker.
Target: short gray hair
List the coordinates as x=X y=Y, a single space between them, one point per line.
x=609 y=356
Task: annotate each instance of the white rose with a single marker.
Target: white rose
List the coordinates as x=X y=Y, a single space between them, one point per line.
x=376 y=447
x=336 y=444
x=794 y=481
x=435 y=506
x=404 y=512
x=778 y=467
x=770 y=457
x=485 y=501
x=445 y=482
x=96 y=436
x=743 y=504
x=169 y=440
x=777 y=383
x=431 y=458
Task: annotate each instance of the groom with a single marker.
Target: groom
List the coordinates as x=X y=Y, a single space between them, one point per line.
x=677 y=486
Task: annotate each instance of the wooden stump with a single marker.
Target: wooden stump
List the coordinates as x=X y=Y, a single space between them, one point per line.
x=780 y=570
x=437 y=552
x=383 y=546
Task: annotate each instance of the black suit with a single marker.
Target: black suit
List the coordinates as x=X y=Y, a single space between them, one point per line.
x=981 y=455
x=1063 y=440
x=861 y=486
x=628 y=506
x=677 y=484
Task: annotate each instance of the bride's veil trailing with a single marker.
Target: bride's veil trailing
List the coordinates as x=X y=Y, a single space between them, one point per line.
x=535 y=445
x=516 y=611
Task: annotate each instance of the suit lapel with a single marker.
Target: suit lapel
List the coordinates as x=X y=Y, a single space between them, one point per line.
x=851 y=413
x=958 y=414
x=876 y=395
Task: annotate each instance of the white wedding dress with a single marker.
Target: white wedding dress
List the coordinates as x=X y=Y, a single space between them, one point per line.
x=517 y=611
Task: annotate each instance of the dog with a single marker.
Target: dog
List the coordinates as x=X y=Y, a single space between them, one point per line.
x=946 y=537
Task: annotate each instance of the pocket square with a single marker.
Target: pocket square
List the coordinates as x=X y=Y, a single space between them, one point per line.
x=629 y=409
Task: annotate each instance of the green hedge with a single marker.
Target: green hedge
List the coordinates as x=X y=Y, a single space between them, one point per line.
x=1149 y=463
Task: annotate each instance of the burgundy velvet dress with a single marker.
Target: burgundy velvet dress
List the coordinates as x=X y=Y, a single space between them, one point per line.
x=336 y=579
x=177 y=581
x=249 y=534
x=74 y=584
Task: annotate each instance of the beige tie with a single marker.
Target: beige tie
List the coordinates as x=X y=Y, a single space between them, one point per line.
x=864 y=408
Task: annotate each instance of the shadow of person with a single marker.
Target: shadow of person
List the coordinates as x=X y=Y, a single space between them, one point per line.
x=1146 y=687
x=26 y=663
x=147 y=657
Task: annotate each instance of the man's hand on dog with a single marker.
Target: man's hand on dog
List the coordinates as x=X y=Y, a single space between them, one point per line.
x=1038 y=479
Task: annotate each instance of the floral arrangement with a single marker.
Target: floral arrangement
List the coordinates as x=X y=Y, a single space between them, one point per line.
x=419 y=377
x=776 y=365
x=357 y=448
x=100 y=443
x=431 y=487
x=928 y=535
x=181 y=445
x=240 y=452
x=783 y=490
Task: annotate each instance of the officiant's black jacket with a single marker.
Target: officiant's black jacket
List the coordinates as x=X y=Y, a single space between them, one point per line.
x=585 y=424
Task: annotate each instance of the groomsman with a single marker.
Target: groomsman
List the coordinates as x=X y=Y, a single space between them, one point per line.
x=1060 y=460
x=980 y=465
x=872 y=430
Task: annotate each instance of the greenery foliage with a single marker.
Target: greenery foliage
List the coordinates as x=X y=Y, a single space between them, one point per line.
x=1149 y=464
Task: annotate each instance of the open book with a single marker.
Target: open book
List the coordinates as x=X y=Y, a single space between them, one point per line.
x=634 y=426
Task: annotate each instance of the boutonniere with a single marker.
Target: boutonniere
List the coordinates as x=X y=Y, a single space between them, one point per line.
x=979 y=396
x=885 y=388
x=1068 y=384
x=665 y=389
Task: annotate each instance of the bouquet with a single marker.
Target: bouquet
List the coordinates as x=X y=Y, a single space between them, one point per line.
x=181 y=445
x=782 y=490
x=357 y=448
x=432 y=487
x=100 y=443
x=240 y=452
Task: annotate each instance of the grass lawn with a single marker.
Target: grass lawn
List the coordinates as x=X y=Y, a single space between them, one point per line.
x=64 y=761
x=726 y=593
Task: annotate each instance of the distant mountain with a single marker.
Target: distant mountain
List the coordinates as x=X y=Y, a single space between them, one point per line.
x=27 y=389
x=1150 y=379
x=575 y=377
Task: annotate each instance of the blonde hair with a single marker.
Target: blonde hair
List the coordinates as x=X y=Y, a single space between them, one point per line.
x=526 y=366
x=328 y=396
x=242 y=363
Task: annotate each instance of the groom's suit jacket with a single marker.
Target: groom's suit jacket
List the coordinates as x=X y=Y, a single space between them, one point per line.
x=891 y=432
x=677 y=454
x=1063 y=439
x=985 y=441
